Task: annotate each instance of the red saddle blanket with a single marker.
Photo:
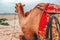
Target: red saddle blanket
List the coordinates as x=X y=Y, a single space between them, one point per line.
x=46 y=17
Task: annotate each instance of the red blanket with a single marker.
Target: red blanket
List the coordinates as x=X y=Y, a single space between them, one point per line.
x=43 y=23
x=46 y=17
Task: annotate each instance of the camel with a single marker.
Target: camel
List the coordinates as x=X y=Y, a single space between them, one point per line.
x=29 y=21
x=26 y=23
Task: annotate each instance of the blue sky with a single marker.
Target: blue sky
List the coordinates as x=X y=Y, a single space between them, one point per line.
x=8 y=6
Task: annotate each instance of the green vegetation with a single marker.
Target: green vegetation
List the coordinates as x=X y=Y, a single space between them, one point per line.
x=3 y=22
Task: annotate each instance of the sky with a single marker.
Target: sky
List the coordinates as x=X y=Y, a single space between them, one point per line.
x=8 y=6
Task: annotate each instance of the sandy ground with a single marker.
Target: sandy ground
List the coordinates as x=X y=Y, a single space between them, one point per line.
x=12 y=31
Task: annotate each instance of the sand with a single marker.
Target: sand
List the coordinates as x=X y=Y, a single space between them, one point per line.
x=12 y=31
